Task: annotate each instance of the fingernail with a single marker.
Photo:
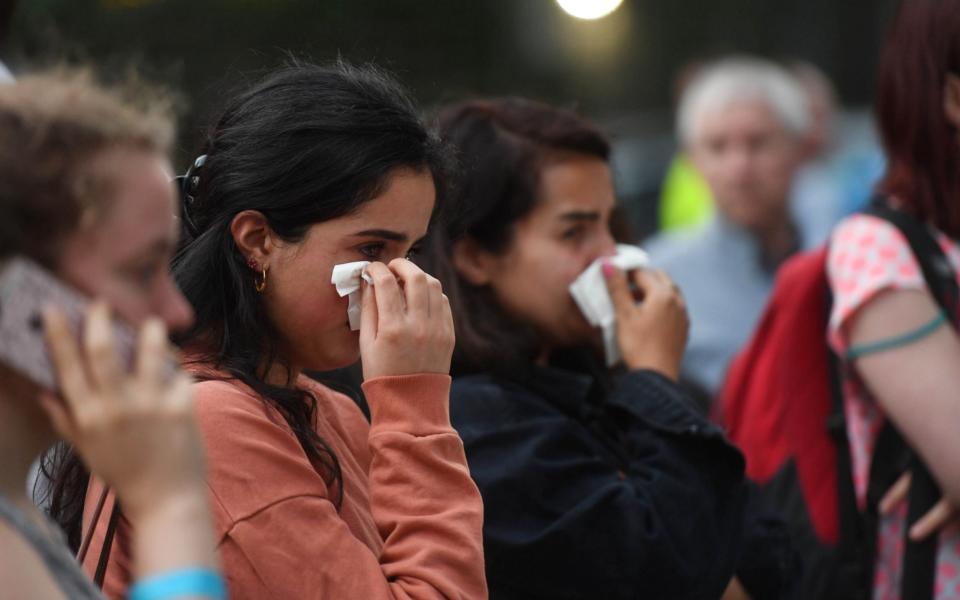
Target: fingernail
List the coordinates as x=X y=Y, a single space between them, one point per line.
x=607 y=268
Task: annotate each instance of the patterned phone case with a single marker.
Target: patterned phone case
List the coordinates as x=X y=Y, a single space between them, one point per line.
x=25 y=288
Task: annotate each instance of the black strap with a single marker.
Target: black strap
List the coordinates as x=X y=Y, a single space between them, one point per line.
x=937 y=271
x=890 y=460
x=104 y=560
x=920 y=558
x=892 y=455
x=88 y=537
x=851 y=579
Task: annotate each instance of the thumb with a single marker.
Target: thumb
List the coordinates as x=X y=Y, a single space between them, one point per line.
x=895 y=495
x=650 y=282
x=938 y=516
x=618 y=288
x=369 y=319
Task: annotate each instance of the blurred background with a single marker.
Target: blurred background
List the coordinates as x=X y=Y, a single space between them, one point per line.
x=622 y=69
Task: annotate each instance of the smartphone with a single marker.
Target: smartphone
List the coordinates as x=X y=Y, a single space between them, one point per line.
x=25 y=289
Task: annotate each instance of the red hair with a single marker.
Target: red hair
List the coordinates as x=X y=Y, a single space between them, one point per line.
x=922 y=147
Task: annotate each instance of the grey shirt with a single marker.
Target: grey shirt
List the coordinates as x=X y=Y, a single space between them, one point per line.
x=54 y=553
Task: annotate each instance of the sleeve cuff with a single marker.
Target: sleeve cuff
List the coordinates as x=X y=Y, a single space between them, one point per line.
x=416 y=404
x=661 y=403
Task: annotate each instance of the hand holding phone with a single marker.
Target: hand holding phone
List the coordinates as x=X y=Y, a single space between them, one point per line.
x=123 y=403
x=135 y=430
x=25 y=289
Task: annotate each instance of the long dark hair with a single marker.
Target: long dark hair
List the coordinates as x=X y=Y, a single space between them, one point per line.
x=923 y=156
x=306 y=144
x=502 y=146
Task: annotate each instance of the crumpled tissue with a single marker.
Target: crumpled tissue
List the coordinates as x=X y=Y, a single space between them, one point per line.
x=346 y=277
x=589 y=290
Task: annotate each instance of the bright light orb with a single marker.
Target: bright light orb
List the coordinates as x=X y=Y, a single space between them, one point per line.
x=589 y=10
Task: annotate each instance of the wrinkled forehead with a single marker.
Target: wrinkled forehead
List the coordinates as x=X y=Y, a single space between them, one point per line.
x=746 y=116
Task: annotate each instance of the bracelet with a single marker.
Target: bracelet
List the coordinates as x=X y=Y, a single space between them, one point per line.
x=900 y=340
x=184 y=582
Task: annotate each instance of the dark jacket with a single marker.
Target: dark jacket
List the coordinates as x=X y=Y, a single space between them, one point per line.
x=596 y=490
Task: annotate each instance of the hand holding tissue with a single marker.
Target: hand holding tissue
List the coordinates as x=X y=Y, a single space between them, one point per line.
x=589 y=290
x=346 y=277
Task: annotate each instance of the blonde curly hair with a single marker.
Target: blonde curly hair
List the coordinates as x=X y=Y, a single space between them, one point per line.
x=53 y=125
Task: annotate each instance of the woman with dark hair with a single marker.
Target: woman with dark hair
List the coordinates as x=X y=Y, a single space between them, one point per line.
x=313 y=167
x=885 y=320
x=84 y=194
x=596 y=484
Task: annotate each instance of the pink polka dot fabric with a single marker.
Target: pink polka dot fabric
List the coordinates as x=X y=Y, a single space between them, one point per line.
x=867 y=256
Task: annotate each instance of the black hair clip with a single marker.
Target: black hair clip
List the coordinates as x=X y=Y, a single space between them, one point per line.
x=187 y=185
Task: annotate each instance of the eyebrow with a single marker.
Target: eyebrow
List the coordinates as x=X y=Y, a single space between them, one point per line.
x=580 y=216
x=387 y=234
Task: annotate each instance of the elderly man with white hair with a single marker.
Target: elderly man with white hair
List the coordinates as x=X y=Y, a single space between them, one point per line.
x=742 y=122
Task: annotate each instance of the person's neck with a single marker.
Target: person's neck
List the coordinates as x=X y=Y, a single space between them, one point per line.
x=777 y=241
x=24 y=433
x=281 y=375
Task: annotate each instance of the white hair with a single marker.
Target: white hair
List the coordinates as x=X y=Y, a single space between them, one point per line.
x=743 y=79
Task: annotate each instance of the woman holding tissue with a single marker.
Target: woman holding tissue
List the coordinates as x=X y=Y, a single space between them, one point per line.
x=310 y=168
x=596 y=483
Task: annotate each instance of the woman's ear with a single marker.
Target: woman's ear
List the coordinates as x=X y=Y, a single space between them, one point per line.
x=253 y=236
x=951 y=99
x=474 y=263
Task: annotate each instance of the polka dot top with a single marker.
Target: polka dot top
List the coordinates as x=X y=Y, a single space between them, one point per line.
x=868 y=255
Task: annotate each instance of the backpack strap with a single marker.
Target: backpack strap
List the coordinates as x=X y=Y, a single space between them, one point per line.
x=104 y=560
x=856 y=549
x=853 y=576
x=938 y=273
x=891 y=459
x=893 y=455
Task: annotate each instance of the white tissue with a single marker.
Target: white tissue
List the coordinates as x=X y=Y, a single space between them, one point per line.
x=347 y=278
x=589 y=290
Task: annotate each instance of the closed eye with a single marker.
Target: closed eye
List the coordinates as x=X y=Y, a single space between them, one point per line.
x=574 y=233
x=144 y=275
x=371 y=251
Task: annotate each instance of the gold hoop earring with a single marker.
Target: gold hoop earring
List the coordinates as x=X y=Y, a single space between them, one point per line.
x=262 y=284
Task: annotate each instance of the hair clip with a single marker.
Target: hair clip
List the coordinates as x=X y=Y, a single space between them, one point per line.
x=187 y=184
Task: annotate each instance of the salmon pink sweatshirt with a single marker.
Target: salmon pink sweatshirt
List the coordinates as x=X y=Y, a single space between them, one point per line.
x=411 y=518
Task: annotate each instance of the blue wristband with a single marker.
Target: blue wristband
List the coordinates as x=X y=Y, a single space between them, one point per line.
x=175 y=584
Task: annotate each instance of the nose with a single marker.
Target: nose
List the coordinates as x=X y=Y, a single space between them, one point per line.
x=603 y=245
x=175 y=310
x=739 y=164
x=607 y=245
